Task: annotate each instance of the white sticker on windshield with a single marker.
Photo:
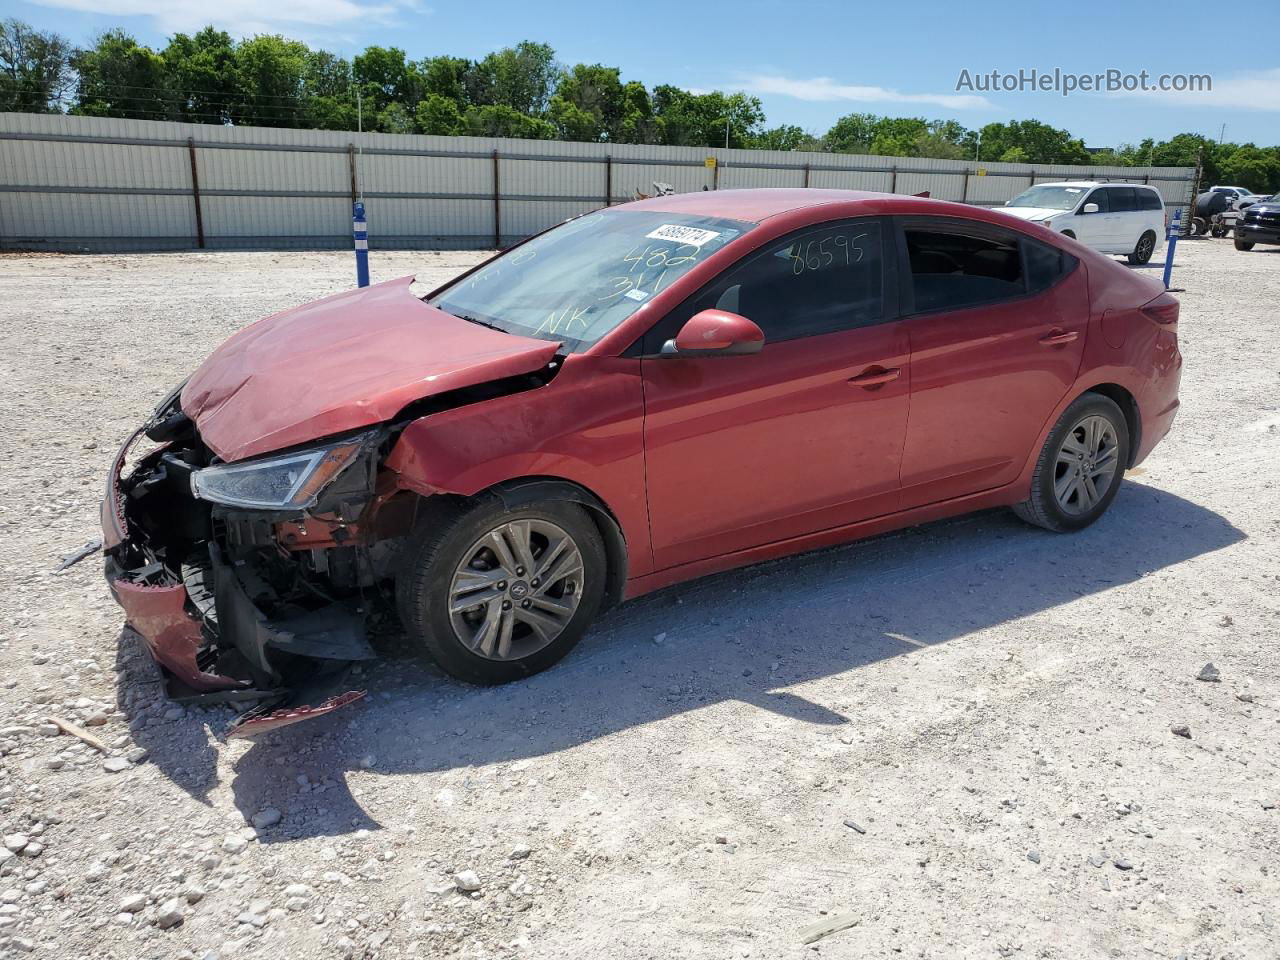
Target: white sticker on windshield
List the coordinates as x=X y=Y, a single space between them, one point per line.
x=693 y=236
x=636 y=294
x=1074 y=190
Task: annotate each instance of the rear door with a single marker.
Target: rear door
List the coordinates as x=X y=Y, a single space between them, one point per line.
x=997 y=324
x=803 y=436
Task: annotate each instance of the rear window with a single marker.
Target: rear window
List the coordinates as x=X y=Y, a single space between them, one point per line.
x=1045 y=265
x=954 y=270
x=1150 y=200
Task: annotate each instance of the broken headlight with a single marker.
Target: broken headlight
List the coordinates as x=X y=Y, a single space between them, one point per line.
x=290 y=481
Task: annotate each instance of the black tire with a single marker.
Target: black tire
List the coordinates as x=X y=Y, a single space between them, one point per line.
x=1043 y=508
x=1243 y=244
x=432 y=556
x=1217 y=232
x=1143 y=249
x=1198 y=226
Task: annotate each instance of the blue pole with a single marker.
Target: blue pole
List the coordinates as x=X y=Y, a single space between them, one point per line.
x=360 y=229
x=1175 y=228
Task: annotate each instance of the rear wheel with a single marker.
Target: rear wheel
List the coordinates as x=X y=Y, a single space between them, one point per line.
x=1142 y=251
x=495 y=595
x=1243 y=244
x=1079 y=470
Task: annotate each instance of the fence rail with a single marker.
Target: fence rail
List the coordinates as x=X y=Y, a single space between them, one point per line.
x=95 y=184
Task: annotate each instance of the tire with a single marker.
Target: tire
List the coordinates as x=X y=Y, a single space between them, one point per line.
x=1243 y=244
x=1044 y=508
x=447 y=558
x=1143 y=249
x=1217 y=232
x=1198 y=226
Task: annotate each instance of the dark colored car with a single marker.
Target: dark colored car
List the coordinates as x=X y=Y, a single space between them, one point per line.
x=635 y=398
x=1259 y=223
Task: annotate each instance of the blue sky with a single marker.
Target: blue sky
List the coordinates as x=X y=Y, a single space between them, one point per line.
x=809 y=62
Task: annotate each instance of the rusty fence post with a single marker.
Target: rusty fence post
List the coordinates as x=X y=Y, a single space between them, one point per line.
x=608 y=180
x=497 y=205
x=964 y=191
x=893 y=181
x=806 y=174
x=195 y=192
x=351 y=168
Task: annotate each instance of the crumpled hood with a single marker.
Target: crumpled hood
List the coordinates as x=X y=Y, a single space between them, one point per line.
x=348 y=361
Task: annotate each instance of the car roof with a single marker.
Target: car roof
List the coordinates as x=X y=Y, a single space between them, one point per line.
x=1095 y=183
x=751 y=204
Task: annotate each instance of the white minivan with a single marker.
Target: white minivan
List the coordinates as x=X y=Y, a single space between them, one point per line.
x=1120 y=218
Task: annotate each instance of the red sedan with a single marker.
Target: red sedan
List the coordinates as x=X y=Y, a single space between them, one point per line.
x=642 y=395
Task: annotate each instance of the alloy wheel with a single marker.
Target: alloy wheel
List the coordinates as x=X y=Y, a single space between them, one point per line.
x=1146 y=246
x=516 y=589
x=1087 y=465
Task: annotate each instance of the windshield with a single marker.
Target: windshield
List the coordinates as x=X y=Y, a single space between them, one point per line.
x=575 y=283
x=1049 y=198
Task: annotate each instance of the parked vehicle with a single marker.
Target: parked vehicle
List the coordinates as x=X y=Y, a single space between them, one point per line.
x=1117 y=218
x=640 y=396
x=1258 y=223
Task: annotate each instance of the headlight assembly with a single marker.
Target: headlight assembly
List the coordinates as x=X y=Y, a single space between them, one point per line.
x=290 y=481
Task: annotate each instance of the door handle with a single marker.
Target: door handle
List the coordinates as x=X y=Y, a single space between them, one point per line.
x=1057 y=337
x=876 y=377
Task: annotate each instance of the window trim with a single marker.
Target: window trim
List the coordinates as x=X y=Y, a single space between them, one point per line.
x=889 y=286
x=963 y=227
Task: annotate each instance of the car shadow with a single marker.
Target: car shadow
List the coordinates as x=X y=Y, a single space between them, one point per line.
x=747 y=635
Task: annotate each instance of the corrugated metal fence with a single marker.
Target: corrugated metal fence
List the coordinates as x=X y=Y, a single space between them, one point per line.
x=95 y=184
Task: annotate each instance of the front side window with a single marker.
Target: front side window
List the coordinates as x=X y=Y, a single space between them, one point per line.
x=1100 y=198
x=577 y=282
x=819 y=280
x=952 y=270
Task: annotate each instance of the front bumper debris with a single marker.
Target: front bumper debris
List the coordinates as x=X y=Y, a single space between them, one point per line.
x=228 y=622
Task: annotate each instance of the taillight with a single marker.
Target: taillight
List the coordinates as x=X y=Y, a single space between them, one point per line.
x=1162 y=310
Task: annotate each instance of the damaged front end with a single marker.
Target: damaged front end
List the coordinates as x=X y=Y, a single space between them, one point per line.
x=256 y=581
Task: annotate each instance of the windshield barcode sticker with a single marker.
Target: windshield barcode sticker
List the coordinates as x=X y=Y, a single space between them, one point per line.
x=693 y=236
x=636 y=294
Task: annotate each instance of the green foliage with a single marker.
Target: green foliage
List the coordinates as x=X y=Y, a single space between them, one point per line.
x=499 y=120
x=1030 y=141
x=518 y=91
x=35 y=69
x=439 y=115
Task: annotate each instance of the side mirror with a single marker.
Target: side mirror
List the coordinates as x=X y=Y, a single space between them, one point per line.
x=1089 y=208
x=715 y=333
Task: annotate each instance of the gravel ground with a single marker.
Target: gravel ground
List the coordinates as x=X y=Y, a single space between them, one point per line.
x=991 y=773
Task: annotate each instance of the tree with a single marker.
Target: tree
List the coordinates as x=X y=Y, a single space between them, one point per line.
x=785 y=137
x=269 y=73
x=329 y=100
x=120 y=78
x=201 y=75
x=439 y=115
x=522 y=77
x=1252 y=167
x=500 y=120
x=708 y=119
x=444 y=76
x=574 y=123
x=384 y=78
x=1038 y=143
x=35 y=69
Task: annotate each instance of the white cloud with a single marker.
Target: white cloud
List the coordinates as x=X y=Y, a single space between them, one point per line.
x=246 y=17
x=824 y=89
x=1246 y=90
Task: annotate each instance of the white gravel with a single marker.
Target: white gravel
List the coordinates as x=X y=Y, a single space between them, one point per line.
x=992 y=706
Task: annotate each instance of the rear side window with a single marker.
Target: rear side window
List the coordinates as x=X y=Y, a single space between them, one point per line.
x=954 y=270
x=1150 y=200
x=1045 y=265
x=1123 y=199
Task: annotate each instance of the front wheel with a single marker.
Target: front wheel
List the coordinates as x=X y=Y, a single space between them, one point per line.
x=1243 y=244
x=1145 y=247
x=1080 y=466
x=495 y=595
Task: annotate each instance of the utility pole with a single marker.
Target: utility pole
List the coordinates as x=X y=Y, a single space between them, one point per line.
x=726 y=133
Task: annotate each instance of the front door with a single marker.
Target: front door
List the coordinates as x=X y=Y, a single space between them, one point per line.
x=997 y=325
x=803 y=436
